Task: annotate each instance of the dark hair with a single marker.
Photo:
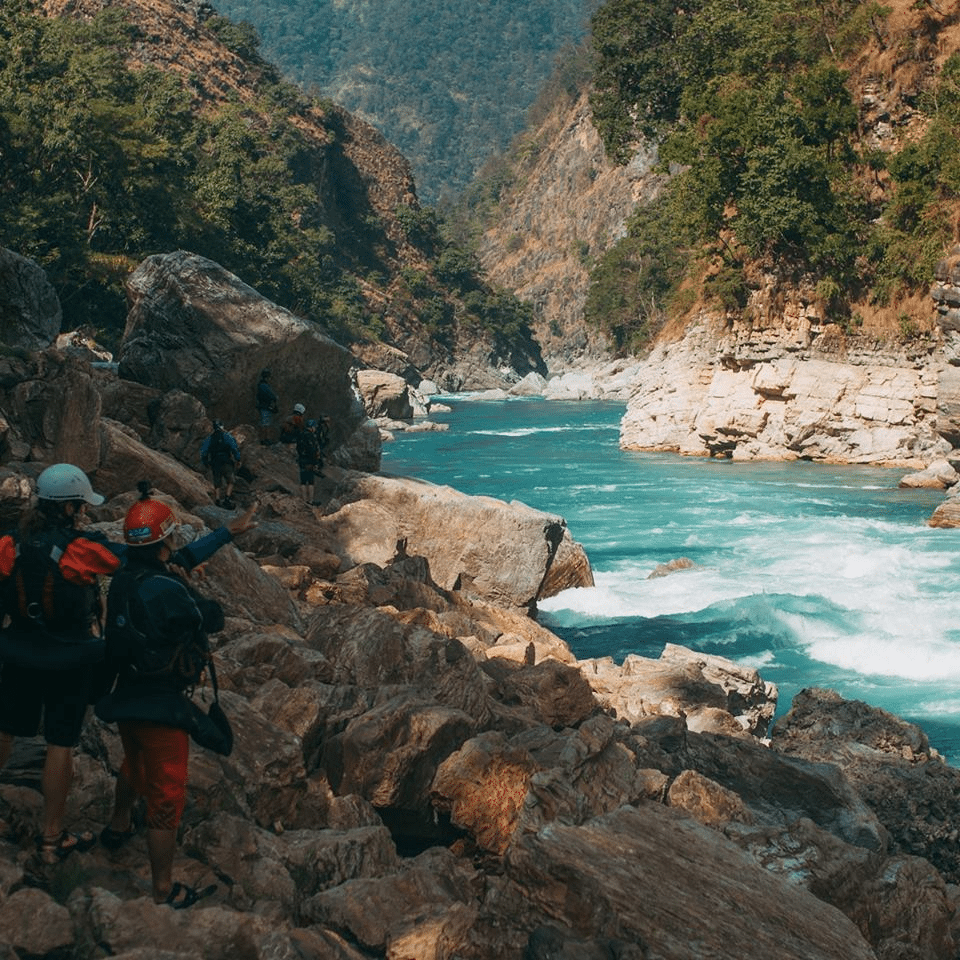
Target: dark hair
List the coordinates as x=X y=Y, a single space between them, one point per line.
x=46 y=514
x=145 y=488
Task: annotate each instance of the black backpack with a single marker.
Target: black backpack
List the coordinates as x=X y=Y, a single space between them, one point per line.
x=219 y=451
x=136 y=647
x=54 y=624
x=308 y=449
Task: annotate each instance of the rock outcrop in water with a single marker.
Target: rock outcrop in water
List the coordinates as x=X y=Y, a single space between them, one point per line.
x=421 y=770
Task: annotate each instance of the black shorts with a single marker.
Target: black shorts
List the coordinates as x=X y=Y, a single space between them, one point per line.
x=222 y=473
x=307 y=475
x=58 y=696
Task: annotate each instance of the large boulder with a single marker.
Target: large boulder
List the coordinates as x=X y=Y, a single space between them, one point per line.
x=384 y=394
x=634 y=883
x=30 y=313
x=195 y=326
x=509 y=554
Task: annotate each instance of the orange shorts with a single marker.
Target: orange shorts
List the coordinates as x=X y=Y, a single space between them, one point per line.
x=155 y=765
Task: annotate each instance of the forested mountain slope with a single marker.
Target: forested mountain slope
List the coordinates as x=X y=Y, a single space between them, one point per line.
x=143 y=126
x=448 y=83
x=808 y=149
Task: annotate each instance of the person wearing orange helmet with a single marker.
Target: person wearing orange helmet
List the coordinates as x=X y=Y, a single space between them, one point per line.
x=157 y=627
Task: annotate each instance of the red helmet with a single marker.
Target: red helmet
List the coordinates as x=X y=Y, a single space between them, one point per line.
x=148 y=521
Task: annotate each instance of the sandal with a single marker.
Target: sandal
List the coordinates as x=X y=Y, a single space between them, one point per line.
x=54 y=849
x=181 y=896
x=115 y=839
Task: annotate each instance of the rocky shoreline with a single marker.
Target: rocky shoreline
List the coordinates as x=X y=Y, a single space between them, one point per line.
x=421 y=770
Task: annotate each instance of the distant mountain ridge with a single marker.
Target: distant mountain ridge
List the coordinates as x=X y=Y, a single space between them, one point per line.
x=135 y=127
x=448 y=84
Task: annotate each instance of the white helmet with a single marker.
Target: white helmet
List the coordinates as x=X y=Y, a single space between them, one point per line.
x=64 y=481
x=299 y=408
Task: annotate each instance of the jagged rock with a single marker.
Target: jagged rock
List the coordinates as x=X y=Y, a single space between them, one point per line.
x=900 y=904
x=372 y=650
x=81 y=344
x=578 y=879
x=554 y=693
x=284 y=869
x=946 y=514
x=426 y=909
x=890 y=764
x=244 y=590
x=195 y=326
x=384 y=394
x=211 y=932
x=128 y=402
x=179 y=425
x=707 y=801
x=680 y=682
x=496 y=788
x=501 y=552
x=483 y=787
x=34 y=924
x=775 y=788
x=30 y=314
x=262 y=780
x=53 y=409
x=671 y=566
x=15 y=495
x=125 y=460
x=940 y=475
x=390 y=754
x=532 y=385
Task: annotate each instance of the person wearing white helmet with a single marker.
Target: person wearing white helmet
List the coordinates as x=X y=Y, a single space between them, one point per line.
x=51 y=637
x=292 y=427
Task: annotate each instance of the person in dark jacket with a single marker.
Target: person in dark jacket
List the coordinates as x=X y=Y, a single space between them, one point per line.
x=169 y=623
x=266 y=407
x=49 y=656
x=309 y=459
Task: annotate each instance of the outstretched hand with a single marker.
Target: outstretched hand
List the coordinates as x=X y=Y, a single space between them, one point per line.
x=244 y=522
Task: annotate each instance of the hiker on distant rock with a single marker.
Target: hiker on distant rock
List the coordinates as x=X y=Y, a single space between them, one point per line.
x=309 y=459
x=157 y=628
x=323 y=436
x=293 y=425
x=266 y=407
x=221 y=454
x=52 y=637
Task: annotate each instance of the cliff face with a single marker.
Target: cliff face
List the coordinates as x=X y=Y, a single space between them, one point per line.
x=569 y=206
x=794 y=389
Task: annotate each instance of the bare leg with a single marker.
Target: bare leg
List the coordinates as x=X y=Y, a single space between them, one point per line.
x=55 y=783
x=123 y=800
x=161 y=846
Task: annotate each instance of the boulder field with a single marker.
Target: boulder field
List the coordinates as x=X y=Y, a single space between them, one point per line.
x=421 y=771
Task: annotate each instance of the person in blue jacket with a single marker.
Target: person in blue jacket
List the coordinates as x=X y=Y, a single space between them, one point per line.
x=221 y=454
